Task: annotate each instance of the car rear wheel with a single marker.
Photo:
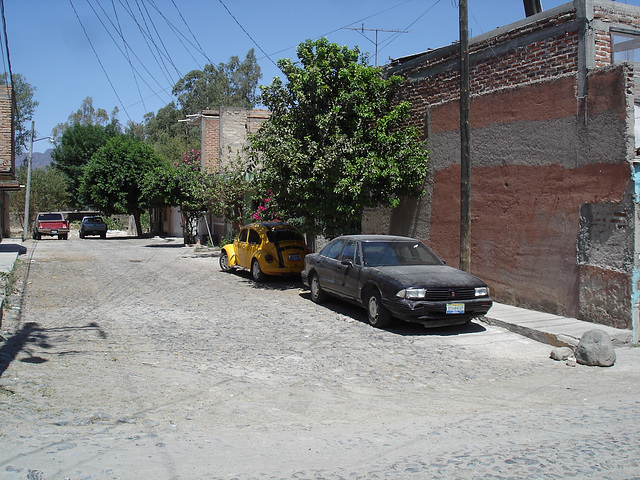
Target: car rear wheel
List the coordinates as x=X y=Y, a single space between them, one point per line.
x=378 y=315
x=317 y=294
x=256 y=271
x=224 y=262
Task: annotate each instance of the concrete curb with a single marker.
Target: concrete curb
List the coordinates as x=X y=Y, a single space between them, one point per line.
x=548 y=328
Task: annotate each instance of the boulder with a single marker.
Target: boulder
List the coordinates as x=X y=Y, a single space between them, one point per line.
x=595 y=349
x=561 y=353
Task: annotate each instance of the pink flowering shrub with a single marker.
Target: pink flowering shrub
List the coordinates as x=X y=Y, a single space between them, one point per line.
x=265 y=209
x=190 y=161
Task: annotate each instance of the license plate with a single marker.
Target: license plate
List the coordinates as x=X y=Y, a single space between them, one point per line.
x=54 y=231
x=455 y=307
x=294 y=257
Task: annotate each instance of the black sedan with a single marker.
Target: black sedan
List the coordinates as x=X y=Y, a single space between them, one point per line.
x=395 y=277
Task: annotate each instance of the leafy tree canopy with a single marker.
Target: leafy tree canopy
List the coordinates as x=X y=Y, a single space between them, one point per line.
x=26 y=106
x=87 y=114
x=183 y=185
x=48 y=192
x=170 y=137
x=75 y=148
x=335 y=142
x=113 y=180
x=232 y=84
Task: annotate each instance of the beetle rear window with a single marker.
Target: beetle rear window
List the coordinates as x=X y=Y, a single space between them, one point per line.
x=284 y=235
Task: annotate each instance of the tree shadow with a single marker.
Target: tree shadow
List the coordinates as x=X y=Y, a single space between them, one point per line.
x=30 y=333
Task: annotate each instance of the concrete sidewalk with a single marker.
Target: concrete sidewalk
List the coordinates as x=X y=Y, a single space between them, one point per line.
x=550 y=329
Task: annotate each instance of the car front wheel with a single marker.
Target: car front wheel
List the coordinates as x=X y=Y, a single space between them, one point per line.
x=317 y=294
x=378 y=315
x=224 y=262
x=256 y=271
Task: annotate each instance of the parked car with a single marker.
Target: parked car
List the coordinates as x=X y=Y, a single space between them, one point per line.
x=93 y=226
x=266 y=248
x=51 y=224
x=397 y=277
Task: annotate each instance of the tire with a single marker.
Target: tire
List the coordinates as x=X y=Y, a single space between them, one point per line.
x=317 y=294
x=224 y=262
x=378 y=315
x=256 y=272
x=103 y=235
x=81 y=235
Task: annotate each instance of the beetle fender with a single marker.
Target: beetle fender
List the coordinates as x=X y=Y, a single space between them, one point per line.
x=233 y=259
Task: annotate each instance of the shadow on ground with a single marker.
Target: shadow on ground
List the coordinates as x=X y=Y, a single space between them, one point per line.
x=13 y=248
x=397 y=327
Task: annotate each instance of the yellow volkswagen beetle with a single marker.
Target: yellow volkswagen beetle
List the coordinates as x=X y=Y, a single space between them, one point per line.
x=266 y=248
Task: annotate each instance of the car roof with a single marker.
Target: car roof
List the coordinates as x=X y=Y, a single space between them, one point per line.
x=378 y=238
x=270 y=225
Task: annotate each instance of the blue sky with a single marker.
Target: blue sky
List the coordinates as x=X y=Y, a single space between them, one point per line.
x=63 y=49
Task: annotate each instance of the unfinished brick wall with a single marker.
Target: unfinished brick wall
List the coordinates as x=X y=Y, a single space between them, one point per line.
x=225 y=133
x=6 y=131
x=552 y=197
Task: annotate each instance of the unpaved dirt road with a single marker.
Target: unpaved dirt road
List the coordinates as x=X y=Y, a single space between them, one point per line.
x=138 y=359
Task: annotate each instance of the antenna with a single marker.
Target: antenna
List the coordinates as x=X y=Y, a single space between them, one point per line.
x=362 y=30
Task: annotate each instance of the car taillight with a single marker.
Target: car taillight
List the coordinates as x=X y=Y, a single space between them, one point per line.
x=268 y=258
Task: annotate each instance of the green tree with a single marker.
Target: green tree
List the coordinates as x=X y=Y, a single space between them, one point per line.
x=181 y=185
x=168 y=136
x=232 y=84
x=231 y=190
x=335 y=142
x=113 y=180
x=48 y=192
x=87 y=114
x=75 y=148
x=26 y=106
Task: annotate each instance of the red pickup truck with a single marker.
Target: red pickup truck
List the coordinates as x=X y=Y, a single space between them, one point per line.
x=51 y=224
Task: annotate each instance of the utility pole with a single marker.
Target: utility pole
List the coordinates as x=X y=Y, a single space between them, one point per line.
x=465 y=150
x=27 y=195
x=362 y=30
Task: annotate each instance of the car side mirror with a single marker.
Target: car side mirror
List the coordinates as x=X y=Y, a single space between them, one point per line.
x=348 y=263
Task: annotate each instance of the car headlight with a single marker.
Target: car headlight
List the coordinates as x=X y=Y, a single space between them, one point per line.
x=482 y=292
x=412 y=293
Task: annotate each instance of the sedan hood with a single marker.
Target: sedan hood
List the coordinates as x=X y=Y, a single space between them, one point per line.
x=429 y=276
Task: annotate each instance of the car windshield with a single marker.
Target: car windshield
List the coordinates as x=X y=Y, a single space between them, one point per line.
x=284 y=235
x=377 y=254
x=93 y=219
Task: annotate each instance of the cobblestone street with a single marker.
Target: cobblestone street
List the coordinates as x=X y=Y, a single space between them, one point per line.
x=137 y=358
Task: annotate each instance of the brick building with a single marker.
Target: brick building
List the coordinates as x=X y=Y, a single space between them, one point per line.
x=224 y=135
x=555 y=175
x=8 y=180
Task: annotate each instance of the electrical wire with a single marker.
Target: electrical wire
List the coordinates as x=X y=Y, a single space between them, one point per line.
x=247 y=33
x=99 y=61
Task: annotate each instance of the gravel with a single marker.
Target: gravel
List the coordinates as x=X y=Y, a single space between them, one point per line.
x=136 y=358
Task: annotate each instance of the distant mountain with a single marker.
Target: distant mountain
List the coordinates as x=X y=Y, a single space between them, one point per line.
x=39 y=160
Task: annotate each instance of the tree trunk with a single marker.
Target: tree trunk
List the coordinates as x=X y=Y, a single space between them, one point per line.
x=136 y=219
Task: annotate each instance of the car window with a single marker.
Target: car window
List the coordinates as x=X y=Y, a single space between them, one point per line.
x=254 y=237
x=50 y=216
x=284 y=235
x=377 y=254
x=351 y=252
x=333 y=250
x=243 y=235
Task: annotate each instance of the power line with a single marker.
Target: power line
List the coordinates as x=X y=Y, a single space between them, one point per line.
x=99 y=61
x=247 y=33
